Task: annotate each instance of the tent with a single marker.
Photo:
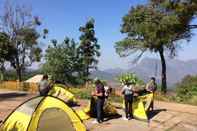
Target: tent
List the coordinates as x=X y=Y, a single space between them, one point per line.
x=90 y=110
x=141 y=105
x=59 y=91
x=43 y=114
x=35 y=79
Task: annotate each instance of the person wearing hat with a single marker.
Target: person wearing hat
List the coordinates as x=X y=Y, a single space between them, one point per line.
x=151 y=87
x=100 y=94
x=127 y=92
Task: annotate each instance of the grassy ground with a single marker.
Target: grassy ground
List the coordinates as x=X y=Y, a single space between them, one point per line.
x=82 y=93
x=85 y=93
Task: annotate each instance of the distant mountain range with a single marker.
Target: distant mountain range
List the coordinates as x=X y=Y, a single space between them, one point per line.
x=148 y=67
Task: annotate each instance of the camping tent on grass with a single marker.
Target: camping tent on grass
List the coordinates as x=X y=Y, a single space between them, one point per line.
x=43 y=114
x=59 y=91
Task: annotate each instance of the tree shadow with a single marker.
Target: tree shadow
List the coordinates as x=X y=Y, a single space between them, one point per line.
x=153 y=113
x=9 y=95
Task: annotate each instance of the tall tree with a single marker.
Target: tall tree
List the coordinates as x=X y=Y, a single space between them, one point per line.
x=89 y=49
x=186 y=10
x=5 y=52
x=18 y=23
x=149 y=28
x=62 y=61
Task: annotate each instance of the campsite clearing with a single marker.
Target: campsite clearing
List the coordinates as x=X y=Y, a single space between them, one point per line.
x=166 y=117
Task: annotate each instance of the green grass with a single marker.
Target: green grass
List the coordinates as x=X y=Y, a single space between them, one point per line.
x=81 y=93
x=85 y=93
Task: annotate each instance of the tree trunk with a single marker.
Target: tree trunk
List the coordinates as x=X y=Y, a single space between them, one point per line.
x=19 y=74
x=163 y=74
x=2 y=72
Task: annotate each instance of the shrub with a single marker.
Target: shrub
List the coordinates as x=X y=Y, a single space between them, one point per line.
x=186 y=90
x=129 y=77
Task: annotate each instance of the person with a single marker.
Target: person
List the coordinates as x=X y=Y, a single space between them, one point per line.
x=127 y=91
x=100 y=94
x=151 y=87
x=108 y=91
x=44 y=86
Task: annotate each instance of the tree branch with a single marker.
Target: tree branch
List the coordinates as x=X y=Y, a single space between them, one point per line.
x=192 y=26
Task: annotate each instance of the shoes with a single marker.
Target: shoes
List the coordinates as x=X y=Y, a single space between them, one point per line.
x=124 y=118
x=95 y=122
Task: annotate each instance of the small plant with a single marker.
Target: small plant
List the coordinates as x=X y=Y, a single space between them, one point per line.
x=129 y=78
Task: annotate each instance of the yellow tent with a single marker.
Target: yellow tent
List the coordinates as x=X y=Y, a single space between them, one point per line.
x=141 y=105
x=90 y=110
x=59 y=91
x=43 y=114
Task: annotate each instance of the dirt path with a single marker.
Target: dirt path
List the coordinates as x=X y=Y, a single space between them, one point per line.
x=167 y=116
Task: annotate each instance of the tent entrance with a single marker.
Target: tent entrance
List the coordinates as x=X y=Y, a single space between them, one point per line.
x=55 y=119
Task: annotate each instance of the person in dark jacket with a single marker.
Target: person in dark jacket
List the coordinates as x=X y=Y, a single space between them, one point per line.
x=100 y=94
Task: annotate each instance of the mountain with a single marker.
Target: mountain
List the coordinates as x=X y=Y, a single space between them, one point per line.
x=148 y=67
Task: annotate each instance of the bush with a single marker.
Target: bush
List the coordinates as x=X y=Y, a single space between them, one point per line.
x=82 y=93
x=129 y=77
x=186 y=90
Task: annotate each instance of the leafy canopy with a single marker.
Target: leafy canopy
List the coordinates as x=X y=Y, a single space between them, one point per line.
x=89 y=48
x=63 y=62
x=149 y=29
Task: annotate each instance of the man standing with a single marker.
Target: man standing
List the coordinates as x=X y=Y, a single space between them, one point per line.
x=100 y=93
x=127 y=92
x=151 y=87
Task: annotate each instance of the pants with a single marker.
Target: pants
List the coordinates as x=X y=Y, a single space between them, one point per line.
x=128 y=105
x=99 y=109
x=44 y=92
x=152 y=103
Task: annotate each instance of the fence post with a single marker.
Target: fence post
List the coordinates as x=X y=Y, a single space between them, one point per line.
x=19 y=85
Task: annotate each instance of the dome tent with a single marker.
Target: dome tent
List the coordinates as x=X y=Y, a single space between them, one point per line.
x=140 y=106
x=43 y=114
x=59 y=91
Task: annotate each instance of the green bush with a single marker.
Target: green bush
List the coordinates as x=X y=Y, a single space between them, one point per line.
x=129 y=77
x=82 y=93
x=186 y=90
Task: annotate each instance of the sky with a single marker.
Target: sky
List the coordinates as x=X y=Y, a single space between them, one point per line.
x=64 y=17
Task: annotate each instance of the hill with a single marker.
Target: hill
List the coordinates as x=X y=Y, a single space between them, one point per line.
x=148 y=67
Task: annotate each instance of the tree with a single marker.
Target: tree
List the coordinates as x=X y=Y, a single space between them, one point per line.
x=149 y=28
x=186 y=10
x=5 y=51
x=89 y=49
x=63 y=62
x=18 y=23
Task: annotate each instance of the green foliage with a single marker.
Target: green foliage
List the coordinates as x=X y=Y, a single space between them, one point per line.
x=156 y=27
x=88 y=49
x=5 y=52
x=63 y=62
x=20 y=29
x=82 y=93
x=129 y=78
x=187 y=90
x=147 y=29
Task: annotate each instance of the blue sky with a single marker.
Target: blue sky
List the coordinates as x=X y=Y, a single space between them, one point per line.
x=64 y=17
